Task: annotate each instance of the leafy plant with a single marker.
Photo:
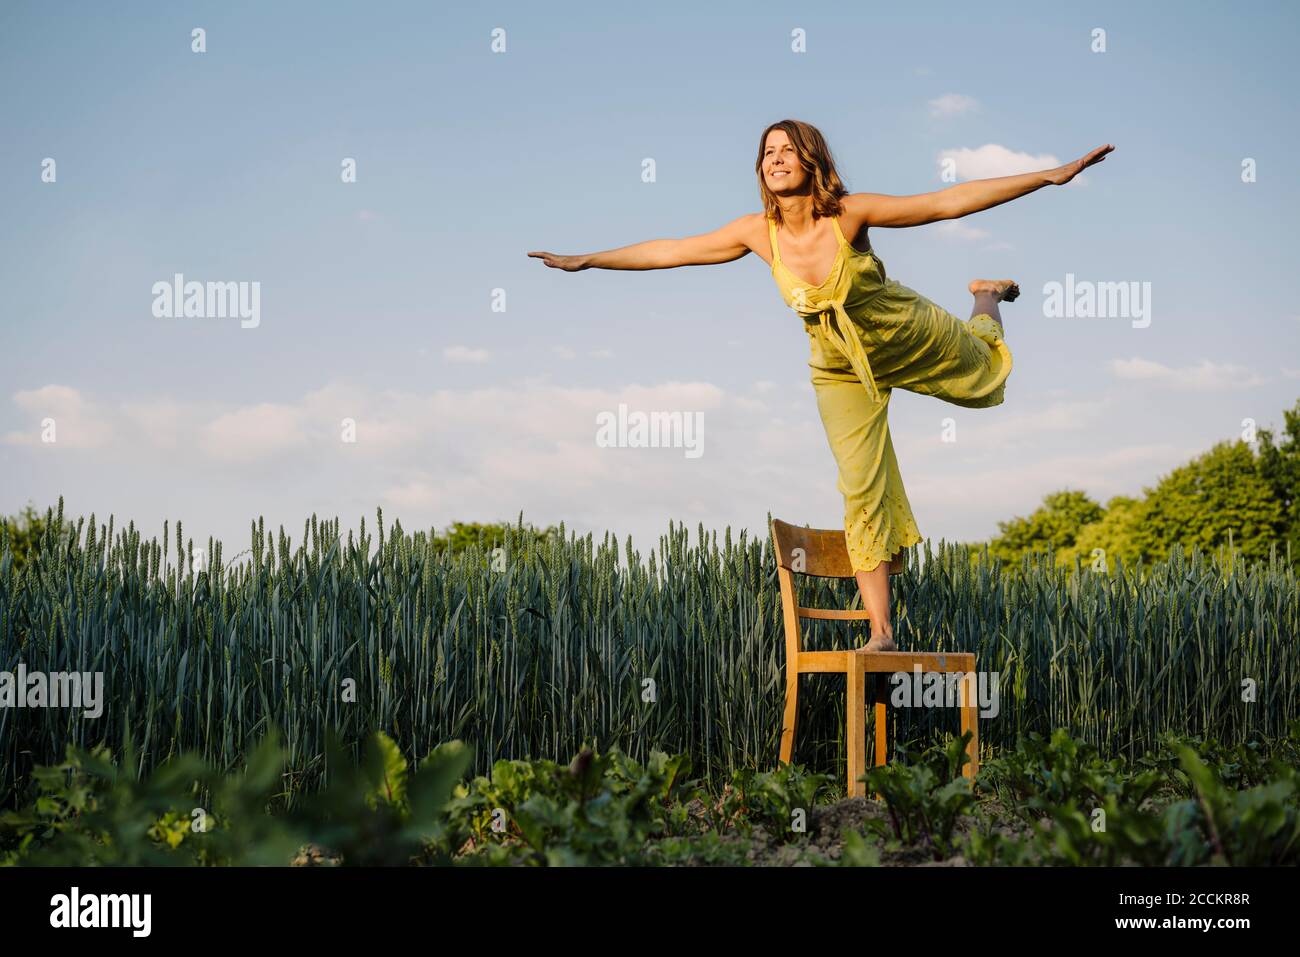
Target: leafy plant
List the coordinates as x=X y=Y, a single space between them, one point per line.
x=770 y=798
x=599 y=810
x=92 y=811
x=377 y=812
x=1257 y=826
x=924 y=795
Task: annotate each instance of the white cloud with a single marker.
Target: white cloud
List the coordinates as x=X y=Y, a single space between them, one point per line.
x=78 y=424
x=956 y=230
x=1205 y=376
x=952 y=104
x=1056 y=418
x=1138 y=369
x=1004 y=492
x=254 y=432
x=488 y=453
x=465 y=354
x=433 y=457
x=1006 y=429
x=991 y=160
x=162 y=420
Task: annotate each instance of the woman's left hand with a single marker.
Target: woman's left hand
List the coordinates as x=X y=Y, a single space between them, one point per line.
x=1063 y=174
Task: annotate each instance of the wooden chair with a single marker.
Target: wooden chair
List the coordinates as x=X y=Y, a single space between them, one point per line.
x=823 y=554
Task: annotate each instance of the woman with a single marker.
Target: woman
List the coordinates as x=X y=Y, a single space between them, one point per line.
x=868 y=334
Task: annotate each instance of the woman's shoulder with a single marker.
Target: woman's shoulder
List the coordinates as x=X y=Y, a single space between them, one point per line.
x=853 y=214
x=757 y=227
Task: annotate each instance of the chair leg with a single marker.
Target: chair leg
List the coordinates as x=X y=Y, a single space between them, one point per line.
x=856 y=726
x=790 y=723
x=970 y=721
x=882 y=708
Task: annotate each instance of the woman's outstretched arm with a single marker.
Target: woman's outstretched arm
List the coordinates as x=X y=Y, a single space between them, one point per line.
x=720 y=246
x=966 y=198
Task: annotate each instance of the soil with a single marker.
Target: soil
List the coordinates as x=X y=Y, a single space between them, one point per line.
x=823 y=845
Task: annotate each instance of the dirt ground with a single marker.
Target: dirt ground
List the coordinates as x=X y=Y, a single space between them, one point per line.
x=826 y=827
x=824 y=843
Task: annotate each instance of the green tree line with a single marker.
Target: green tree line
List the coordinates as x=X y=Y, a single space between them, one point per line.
x=1231 y=496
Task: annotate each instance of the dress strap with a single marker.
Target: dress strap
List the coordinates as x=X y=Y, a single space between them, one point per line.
x=851 y=250
x=839 y=233
x=771 y=238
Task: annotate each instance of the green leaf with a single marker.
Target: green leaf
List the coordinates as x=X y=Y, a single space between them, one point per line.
x=391 y=789
x=432 y=784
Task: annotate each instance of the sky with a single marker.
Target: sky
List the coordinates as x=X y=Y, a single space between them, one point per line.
x=407 y=354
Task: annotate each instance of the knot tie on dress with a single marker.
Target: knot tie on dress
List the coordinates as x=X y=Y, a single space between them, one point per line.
x=836 y=325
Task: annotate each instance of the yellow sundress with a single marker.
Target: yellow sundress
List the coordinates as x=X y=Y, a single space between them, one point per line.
x=869 y=335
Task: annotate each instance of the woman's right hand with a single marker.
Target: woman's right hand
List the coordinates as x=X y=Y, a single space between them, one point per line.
x=1063 y=174
x=567 y=263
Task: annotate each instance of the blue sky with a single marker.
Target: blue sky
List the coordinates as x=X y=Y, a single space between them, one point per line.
x=376 y=296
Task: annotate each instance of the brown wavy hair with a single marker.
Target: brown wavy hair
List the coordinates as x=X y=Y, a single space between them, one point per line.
x=815 y=157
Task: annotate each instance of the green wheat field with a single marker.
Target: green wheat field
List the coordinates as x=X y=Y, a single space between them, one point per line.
x=542 y=648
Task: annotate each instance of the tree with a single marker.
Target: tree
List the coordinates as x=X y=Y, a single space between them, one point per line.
x=461 y=535
x=1114 y=534
x=1227 y=494
x=1058 y=521
x=1279 y=467
x=22 y=534
x=1200 y=502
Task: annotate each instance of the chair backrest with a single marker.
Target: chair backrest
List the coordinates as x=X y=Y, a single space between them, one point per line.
x=820 y=552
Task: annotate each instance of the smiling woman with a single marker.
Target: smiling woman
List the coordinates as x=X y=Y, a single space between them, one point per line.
x=867 y=333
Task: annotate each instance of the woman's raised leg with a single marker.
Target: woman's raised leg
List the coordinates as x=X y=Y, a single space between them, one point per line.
x=988 y=293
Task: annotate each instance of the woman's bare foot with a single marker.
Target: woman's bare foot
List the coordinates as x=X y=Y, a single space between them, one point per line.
x=881 y=642
x=1002 y=290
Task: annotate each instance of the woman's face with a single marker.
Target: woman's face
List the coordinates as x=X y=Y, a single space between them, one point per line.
x=782 y=172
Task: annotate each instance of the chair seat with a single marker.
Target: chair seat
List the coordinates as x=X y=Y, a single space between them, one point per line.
x=824 y=662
